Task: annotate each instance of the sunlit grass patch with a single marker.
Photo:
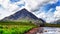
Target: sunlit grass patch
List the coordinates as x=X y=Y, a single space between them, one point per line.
x=11 y=27
x=15 y=29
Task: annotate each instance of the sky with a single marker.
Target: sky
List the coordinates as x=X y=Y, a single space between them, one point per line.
x=48 y=10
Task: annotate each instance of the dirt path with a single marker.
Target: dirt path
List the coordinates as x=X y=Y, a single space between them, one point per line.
x=38 y=30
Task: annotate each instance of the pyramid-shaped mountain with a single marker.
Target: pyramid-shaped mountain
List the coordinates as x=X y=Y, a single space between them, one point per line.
x=23 y=15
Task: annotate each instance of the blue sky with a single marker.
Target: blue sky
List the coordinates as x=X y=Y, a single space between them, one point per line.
x=47 y=7
x=14 y=1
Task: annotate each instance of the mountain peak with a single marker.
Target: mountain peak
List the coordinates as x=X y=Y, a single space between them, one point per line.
x=21 y=14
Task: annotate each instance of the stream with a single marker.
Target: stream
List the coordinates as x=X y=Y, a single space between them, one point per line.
x=49 y=30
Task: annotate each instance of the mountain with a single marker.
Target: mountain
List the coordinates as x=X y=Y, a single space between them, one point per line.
x=21 y=14
x=24 y=15
x=57 y=22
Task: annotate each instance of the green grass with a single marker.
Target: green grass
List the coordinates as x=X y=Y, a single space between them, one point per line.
x=11 y=27
x=14 y=29
x=16 y=23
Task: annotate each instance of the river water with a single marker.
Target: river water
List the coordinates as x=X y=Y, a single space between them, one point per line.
x=51 y=30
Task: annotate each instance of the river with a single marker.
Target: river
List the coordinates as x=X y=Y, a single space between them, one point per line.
x=48 y=30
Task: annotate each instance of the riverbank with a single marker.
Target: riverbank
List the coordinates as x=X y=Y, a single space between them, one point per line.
x=51 y=25
x=33 y=31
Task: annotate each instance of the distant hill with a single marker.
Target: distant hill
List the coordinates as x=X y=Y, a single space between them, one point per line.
x=57 y=22
x=24 y=15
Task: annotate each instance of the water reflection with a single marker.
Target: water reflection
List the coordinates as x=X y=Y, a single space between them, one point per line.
x=51 y=30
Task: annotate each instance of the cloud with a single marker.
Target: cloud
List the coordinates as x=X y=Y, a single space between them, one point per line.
x=50 y=16
x=34 y=6
x=7 y=9
x=53 y=1
x=40 y=12
x=57 y=12
x=38 y=8
x=55 y=16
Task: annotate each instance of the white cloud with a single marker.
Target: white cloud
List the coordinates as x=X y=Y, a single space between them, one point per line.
x=57 y=12
x=53 y=1
x=8 y=9
x=46 y=16
x=35 y=4
x=41 y=15
x=49 y=16
x=55 y=16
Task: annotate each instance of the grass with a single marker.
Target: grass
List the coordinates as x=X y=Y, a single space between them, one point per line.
x=11 y=27
x=52 y=25
x=14 y=29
